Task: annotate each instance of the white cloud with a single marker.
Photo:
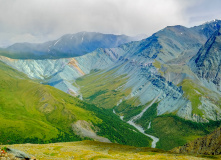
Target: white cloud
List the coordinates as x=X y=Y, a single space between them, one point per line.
x=24 y=38
x=49 y=19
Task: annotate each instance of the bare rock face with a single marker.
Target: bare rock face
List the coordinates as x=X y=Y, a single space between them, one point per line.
x=207 y=63
x=14 y=154
x=208 y=145
x=84 y=129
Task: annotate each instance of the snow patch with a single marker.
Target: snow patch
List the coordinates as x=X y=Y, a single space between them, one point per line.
x=82 y=39
x=56 y=42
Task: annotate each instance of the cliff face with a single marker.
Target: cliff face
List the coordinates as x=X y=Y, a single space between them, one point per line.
x=208 y=145
x=207 y=63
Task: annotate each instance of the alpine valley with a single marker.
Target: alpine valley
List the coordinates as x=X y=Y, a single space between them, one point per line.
x=162 y=91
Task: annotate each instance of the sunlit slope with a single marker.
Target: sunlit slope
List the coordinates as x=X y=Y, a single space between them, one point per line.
x=208 y=145
x=36 y=113
x=88 y=150
x=33 y=111
x=105 y=89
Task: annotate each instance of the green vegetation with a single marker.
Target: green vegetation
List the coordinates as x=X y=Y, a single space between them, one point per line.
x=117 y=130
x=104 y=89
x=16 y=55
x=130 y=112
x=148 y=116
x=28 y=55
x=192 y=89
x=180 y=69
x=6 y=53
x=4 y=149
x=129 y=108
x=36 y=113
x=194 y=92
x=125 y=104
x=96 y=150
x=174 y=131
x=31 y=112
x=158 y=65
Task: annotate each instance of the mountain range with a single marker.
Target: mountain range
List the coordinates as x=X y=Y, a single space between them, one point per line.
x=70 y=45
x=167 y=84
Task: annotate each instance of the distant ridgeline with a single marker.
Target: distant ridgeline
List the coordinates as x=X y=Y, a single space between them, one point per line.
x=70 y=45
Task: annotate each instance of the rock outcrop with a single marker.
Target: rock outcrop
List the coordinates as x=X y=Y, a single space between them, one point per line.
x=84 y=129
x=14 y=154
x=207 y=63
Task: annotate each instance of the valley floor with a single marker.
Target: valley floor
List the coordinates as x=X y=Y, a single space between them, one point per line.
x=91 y=150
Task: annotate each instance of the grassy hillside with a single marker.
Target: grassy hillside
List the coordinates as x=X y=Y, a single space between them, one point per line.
x=36 y=113
x=174 y=131
x=103 y=89
x=17 y=55
x=29 y=55
x=90 y=150
x=194 y=92
x=208 y=145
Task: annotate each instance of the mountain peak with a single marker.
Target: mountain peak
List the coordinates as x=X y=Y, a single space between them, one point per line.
x=212 y=21
x=69 y=45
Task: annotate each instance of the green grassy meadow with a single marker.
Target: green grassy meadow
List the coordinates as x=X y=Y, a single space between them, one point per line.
x=103 y=89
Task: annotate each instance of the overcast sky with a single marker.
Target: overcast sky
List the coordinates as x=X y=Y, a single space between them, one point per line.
x=43 y=20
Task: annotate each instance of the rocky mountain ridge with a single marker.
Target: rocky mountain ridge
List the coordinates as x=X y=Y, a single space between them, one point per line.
x=70 y=45
x=206 y=63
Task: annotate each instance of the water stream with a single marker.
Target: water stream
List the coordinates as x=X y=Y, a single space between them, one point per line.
x=138 y=127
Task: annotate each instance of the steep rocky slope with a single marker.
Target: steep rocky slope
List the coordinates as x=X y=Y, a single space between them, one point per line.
x=173 y=43
x=208 y=145
x=70 y=45
x=207 y=63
